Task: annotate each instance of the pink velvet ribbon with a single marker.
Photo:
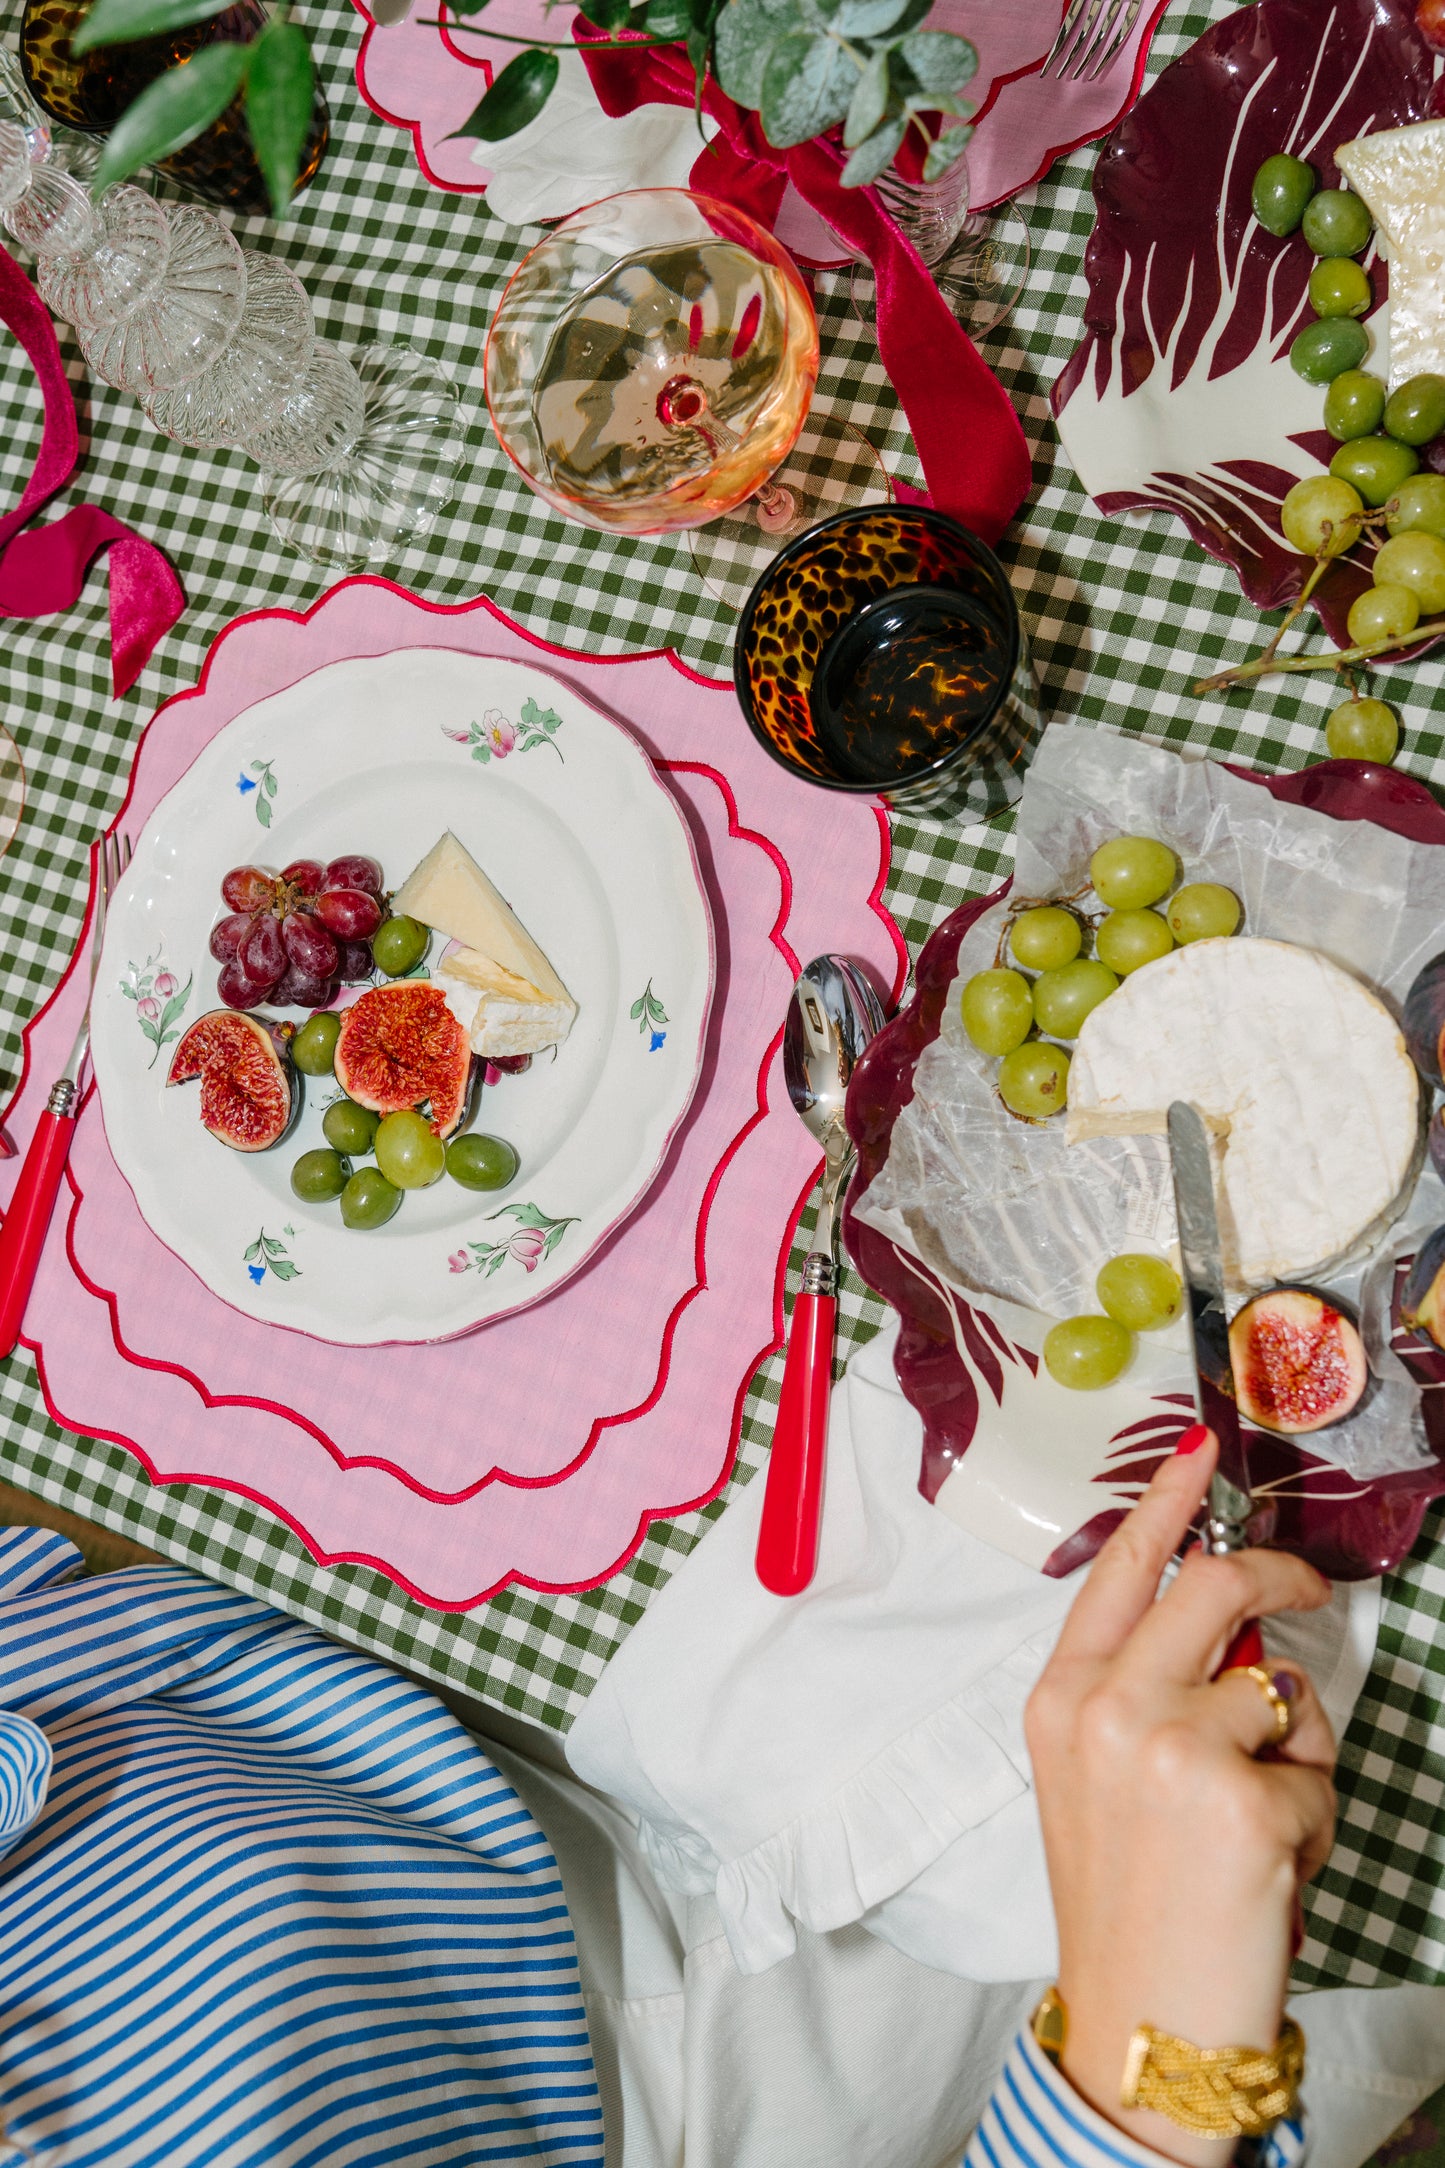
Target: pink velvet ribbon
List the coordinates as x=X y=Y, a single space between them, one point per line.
x=44 y=571
x=968 y=437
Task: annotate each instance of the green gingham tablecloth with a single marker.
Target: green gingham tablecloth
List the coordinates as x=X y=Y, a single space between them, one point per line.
x=1123 y=619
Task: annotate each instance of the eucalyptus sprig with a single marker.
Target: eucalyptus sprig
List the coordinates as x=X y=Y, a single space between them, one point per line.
x=806 y=67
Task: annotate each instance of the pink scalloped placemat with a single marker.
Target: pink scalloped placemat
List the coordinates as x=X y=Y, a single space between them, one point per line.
x=429 y=81
x=538 y=1448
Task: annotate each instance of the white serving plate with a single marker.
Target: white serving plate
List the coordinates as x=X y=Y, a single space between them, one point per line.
x=567 y=815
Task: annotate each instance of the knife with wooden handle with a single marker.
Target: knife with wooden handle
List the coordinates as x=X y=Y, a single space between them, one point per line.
x=1230 y=1505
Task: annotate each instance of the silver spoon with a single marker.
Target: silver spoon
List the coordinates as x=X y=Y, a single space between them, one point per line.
x=833 y=1014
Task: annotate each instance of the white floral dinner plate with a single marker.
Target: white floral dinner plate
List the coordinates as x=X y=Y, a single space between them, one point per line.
x=565 y=812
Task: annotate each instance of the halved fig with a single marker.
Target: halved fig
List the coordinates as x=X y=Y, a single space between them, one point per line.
x=401 y=1044
x=1422 y=1298
x=1298 y=1361
x=249 y=1093
x=1423 y=1022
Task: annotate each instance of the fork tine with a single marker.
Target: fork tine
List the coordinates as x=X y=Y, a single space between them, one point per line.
x=1053 y=63
x=1118 y=38
x=1086 y=51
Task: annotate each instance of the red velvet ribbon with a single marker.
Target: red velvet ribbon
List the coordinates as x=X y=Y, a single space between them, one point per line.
x=974 y=455
x=44 y=571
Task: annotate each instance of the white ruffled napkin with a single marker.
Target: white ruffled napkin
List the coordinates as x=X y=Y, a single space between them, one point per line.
x=574 y=153
x=857 y=1753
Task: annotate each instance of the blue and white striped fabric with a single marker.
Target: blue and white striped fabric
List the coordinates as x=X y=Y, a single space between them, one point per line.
x=274 y=1904
x=1035 y=2119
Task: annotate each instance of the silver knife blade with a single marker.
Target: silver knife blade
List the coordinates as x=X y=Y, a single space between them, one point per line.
x=1230 y=1503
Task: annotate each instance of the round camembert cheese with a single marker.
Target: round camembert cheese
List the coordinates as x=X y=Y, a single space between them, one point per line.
x=1302 y=1077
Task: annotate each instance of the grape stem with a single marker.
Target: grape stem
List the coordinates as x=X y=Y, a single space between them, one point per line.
x=1016 y=910
x=1263 y=665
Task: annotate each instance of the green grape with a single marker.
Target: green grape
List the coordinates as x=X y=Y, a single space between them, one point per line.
x=1282 y=188
x=1416 y=411
x=1044 y=939
x=1419 y=506
x=1382 y=613
x=1086 y=1353
x=1354 y=405
x=349 y=1127
x=1321 y=514
x=1375 y=466
x=1416 y=561
x=1203 y=911
x=314 y=1047
x=320 y=1175
x=398 y=945
x=368 y=1199
x=481 y=1162
x=1034 y=1079
x=1139 y=1292
x=997 y=1008
x=1362 y=730
x=1130 y=871
x=1325 y=350
x=1336 y=223
x=1063 y=998
x=407 y=1152
x=1339 y=287
x=1129 y=939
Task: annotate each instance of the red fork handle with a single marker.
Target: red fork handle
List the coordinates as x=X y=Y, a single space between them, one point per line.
x=1245 y=1649
x=22 y=1237
x=793 y=1500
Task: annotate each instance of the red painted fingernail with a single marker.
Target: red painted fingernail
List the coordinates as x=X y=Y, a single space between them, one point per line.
x=1192 y=1439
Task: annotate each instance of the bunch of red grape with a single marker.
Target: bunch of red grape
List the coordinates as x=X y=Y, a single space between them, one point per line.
x=294 y=938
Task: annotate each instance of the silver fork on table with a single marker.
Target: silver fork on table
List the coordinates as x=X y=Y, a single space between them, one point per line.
x=1091 y=35
x=22 y=1237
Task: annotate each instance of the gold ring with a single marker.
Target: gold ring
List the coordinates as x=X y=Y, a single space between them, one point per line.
x=1283 y=1709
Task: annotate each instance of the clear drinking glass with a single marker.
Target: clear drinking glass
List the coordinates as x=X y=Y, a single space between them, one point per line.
x=980 y=260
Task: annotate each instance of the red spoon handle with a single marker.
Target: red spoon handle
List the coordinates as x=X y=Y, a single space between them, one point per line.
x=22 y=1237
x=1245 y=1649
x=793 y=1500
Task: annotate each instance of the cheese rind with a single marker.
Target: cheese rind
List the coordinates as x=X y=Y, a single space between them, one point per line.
x=1302 y=1075
x=500 y=1012
x=1400 y=174
x=500 y=985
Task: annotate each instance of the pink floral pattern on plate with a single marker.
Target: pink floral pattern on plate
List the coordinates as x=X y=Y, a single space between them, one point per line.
x=538 y=1450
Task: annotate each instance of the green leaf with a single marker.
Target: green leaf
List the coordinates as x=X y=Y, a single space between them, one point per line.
x=249 y=1256
x=268 y=784
x=868 y=18
x=638 y=1006
x=607 y=14
x=271 y=1246
x=945 y=150
x=129 y=991
x=284 y=1269
x=263 y=811
x=876 y=155
x=171 y=112
x=938 y=59
x=668 y=18
x=467 y=7
x=808 y=84
x=279 y=93
x=517 y=96
x=120 y=22
x=746 y=33
x=870 y=102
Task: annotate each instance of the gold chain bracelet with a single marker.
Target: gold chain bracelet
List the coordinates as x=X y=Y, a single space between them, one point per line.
x=1214 y=2092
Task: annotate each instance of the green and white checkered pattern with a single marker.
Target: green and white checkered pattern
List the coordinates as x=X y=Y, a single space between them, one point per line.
x=1124 y=617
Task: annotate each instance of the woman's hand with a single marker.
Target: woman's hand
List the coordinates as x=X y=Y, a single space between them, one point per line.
x=1175 y=1855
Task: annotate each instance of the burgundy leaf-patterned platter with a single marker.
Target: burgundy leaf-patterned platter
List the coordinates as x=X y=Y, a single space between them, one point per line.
x=971 y=1378
x=1181 y=398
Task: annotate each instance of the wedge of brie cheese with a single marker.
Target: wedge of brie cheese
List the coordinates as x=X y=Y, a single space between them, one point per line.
x=500 y=986
x=1400 y=173
x=1301 y=1073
